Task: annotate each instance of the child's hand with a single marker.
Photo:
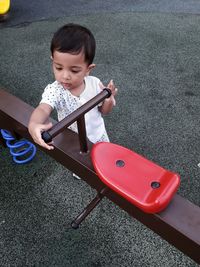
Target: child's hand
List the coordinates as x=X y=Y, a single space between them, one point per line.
x=108 y=103
x=113 y=89
x=36 y=130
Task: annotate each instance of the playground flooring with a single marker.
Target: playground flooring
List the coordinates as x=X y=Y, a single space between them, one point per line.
x=151 y=51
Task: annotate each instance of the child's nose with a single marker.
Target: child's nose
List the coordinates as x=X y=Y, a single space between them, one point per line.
x=66 y=75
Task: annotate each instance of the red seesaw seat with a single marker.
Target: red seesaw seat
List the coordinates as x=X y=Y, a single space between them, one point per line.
x=142 y=182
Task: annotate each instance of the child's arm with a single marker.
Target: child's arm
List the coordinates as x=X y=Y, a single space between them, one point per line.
x=38 y=123
x=110 y=102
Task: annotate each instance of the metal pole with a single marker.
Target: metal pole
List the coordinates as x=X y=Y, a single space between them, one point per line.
x=74 y=116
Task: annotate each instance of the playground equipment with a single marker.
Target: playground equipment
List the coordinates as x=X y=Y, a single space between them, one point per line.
x=142 y=182
x=4 y=6
x=178 y=222
x=22 y=151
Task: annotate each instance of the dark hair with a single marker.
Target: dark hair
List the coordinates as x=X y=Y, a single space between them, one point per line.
x=73 y=38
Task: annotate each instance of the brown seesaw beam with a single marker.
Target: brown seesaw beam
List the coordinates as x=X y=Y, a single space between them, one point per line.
x=179 y=223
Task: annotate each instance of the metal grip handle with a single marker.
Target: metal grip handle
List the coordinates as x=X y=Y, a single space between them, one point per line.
x=74 y=116
x=46 y=136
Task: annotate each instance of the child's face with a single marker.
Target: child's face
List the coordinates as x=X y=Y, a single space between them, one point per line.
x=70 y=69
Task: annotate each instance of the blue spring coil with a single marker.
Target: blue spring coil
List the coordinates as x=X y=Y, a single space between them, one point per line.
x=19 y=149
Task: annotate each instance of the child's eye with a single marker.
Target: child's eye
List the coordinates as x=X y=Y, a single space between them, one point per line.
x=58 y=68
x=75 y=71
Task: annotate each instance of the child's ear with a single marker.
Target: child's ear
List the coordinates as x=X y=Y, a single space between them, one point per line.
x=90 y=67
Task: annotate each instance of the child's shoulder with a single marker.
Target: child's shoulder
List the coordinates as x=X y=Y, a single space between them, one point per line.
x=92 y=85
x=92 y=80
x=53 y=86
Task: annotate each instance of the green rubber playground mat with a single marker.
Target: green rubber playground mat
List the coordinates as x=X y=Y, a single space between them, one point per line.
x=154 y=60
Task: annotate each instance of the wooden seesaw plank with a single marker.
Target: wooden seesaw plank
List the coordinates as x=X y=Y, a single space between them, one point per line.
x=179 y=223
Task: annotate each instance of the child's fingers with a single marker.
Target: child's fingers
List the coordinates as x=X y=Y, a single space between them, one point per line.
x=111 y=84
x=48 y=146
x=114 y=92
x=112 y=87
x=46 y=127
x=38 y=137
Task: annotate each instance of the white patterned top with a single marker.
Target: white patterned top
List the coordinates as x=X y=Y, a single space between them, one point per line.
x=65 y=103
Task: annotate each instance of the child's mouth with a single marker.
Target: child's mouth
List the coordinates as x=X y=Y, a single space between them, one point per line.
x=66 y=85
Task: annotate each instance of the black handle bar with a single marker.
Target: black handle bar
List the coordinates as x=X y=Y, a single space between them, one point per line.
x=47 y=136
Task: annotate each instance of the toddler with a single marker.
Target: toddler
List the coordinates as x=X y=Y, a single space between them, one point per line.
x=72 y=53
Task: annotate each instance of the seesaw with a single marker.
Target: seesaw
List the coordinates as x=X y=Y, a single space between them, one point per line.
x=174 y=218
